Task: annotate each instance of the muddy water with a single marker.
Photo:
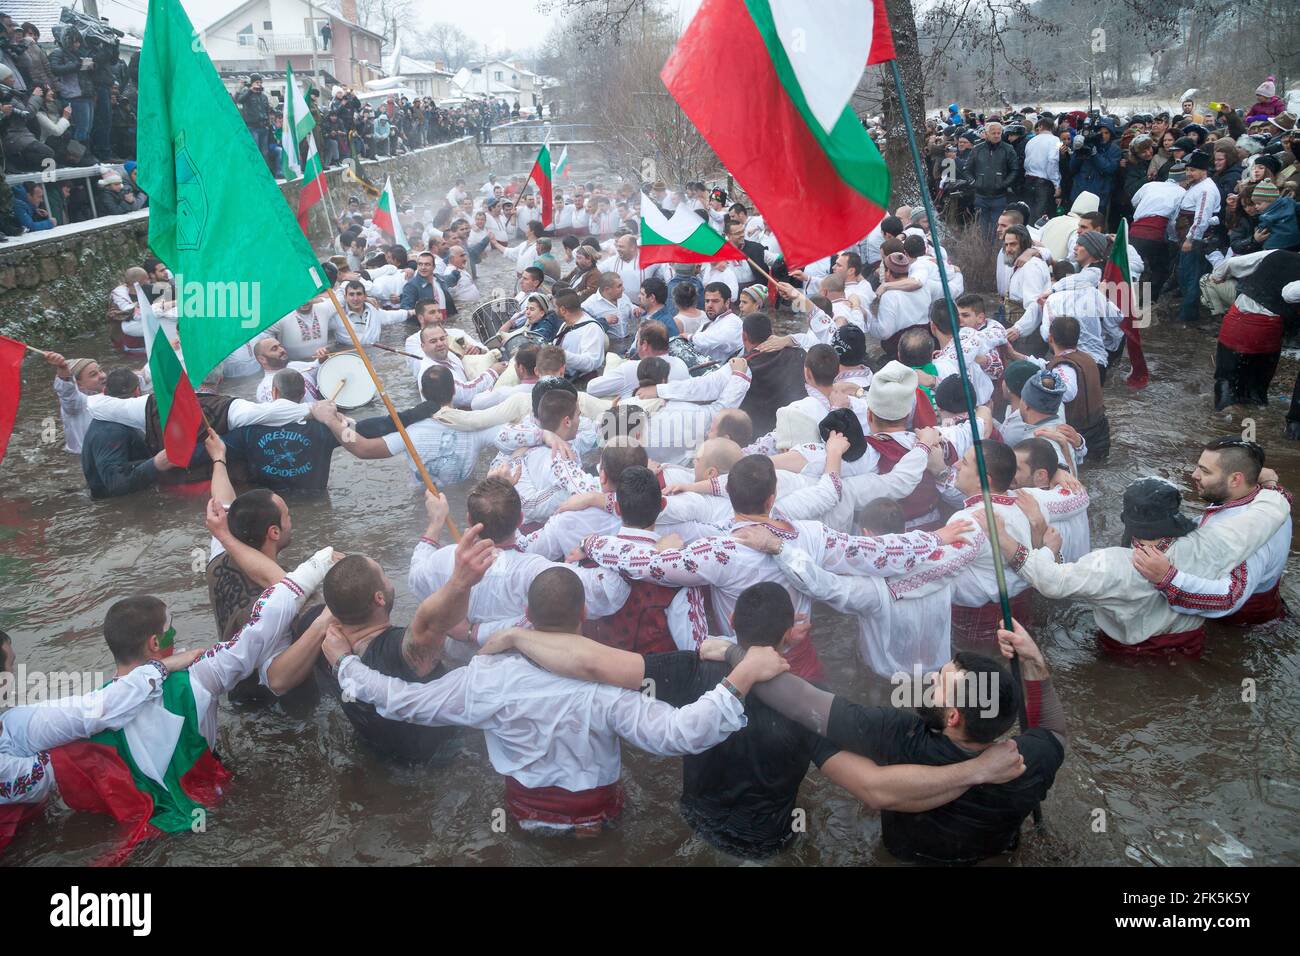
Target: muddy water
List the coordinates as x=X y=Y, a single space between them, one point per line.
x=1167 y=764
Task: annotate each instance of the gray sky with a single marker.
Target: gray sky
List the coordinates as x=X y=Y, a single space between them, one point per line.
x=510 y=23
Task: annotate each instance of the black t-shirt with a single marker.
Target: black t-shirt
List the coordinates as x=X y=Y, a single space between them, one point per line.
x=984 y=821
x=740 y=795
x=285 y=457
x=392 y=738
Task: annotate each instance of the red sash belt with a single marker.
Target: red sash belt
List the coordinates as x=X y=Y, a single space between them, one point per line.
x=565 y=807
x=1250 y=333
x=1260 y=608
x=1190 y=643
x=981 y=623
x=1149 y=227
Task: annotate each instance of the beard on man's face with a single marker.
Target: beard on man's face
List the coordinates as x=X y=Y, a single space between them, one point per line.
x=934 y=717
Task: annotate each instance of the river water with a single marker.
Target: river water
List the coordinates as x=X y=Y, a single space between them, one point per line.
x=1167 y=765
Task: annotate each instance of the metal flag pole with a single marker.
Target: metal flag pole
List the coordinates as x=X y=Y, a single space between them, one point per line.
x=392 y=412
x=998 y=570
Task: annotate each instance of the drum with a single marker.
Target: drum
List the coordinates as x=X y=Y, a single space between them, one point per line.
x=515 y=340
x=696 y=363
x=491 y=315
x=343 y=379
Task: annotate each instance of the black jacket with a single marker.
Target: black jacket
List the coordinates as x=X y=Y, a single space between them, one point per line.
x=776 y=380
x=115 y=460
x=255 y=107
x=992 y=169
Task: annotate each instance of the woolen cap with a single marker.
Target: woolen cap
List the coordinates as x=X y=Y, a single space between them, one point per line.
x=893 y=392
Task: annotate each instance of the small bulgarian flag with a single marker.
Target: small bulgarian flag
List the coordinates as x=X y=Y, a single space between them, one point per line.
x=562 y=167
x=684 y=238
x=788 y=68
x=541 y=174
x=178 y=406
x=386 y=212
x=1117 y=284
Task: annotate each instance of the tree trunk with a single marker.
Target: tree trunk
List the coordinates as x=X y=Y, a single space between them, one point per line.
x=898 y=156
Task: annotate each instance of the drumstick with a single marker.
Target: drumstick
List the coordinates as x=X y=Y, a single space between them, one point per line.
x=418 y=358
x=342 y=382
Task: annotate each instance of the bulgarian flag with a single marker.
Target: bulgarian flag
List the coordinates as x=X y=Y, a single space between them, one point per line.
x=767 y=83
x=385 y=218
x=683 y=238
x=1117 y=283
x=541 y=174
x=11 y=387
x=298 y=124
x=313 y=184
x=562 y=167
x=154 y=774
x=178 y=406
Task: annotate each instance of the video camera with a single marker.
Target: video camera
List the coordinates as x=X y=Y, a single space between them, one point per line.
x=9 y=95
x=99 y=41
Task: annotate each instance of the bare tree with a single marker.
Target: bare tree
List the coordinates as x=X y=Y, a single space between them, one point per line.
x=449 y=44
x=615 y=86
x=603 y=21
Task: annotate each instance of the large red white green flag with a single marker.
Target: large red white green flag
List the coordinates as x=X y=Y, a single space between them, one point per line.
x=683 y=238
x=768 y=83
x=385 y=218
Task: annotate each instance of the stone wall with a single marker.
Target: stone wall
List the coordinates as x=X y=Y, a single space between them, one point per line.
x=55 y=287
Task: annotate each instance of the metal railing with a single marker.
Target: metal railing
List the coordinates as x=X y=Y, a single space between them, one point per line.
x=65 y=173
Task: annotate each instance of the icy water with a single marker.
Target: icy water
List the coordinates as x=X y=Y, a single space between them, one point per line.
x=1167 y=765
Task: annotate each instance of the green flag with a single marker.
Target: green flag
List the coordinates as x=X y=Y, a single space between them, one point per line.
x=216 y=216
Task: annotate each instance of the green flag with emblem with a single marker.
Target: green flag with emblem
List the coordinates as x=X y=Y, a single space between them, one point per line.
x=216 y=216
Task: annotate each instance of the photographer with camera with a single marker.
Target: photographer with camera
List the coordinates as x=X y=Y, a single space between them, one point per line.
x=13 y=67
x=71 y=69
x=20 y=133
x=256 y=109
x=992 y=170
x=1094 y=160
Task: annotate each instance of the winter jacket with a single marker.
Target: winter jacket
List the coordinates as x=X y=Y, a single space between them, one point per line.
x=1266 y=110
x=37 y=63
x=111 y=203
x=1094 y=170
x=65 y=64
x=992 y=169
x=1242 y=236
x=1279 y=219
x=25 y=212
x=255 y=107
x=1135 y=175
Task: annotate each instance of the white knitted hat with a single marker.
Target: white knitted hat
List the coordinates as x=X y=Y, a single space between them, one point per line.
x=893 y=392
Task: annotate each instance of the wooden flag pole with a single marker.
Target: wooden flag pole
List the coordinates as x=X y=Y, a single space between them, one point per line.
x=392 y=412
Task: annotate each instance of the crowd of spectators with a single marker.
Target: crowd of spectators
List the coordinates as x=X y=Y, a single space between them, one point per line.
x=346 y=127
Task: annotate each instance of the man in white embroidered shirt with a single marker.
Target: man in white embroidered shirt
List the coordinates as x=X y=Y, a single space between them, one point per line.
x=730 y=568
x=367 y=319
x=556 y=739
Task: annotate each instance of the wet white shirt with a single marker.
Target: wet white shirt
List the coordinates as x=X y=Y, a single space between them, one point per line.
x=543 y=730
